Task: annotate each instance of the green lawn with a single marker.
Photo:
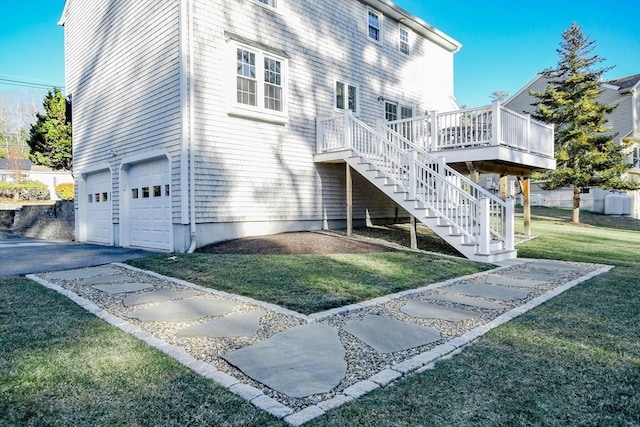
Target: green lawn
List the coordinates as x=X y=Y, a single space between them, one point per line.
x=575 y=360
x=312 y=283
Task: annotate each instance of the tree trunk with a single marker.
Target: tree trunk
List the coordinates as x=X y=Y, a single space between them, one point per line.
x=575 y=216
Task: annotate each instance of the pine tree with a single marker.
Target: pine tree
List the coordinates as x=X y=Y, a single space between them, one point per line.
x=50 y=136
x=586 y=155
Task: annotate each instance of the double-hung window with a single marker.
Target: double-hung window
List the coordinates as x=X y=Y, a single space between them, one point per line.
x=405 y=47
x=635 y=158
x=346 y=96
x=259 y=84
x=374 y=25
x=270 y=3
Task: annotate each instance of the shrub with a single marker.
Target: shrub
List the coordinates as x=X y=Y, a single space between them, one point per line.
x=25 y=190
x=65 y=191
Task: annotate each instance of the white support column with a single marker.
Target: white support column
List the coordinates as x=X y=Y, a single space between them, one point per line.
x=319 y=136
x=413 y=175
x=509 y=225
x=527 y=134
x=485 y=229
x=433 y=120
x=381 y=125
x=496 y=124
x=348 y=130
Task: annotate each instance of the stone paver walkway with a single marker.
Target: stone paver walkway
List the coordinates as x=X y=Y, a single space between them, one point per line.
x=297 y=367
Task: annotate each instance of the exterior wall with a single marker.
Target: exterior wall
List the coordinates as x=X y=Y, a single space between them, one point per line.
x=123 y=74
x=129 y=74
x=256 y=171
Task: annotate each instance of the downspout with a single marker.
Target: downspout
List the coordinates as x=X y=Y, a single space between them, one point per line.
x=192 y=155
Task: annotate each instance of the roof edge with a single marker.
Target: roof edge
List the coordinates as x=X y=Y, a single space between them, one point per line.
x=418 y=25
x=63 y=17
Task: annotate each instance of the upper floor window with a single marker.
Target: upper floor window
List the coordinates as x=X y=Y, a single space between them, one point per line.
x=404 y=41
x=259 y=84
x=374 y=25
x=270 y=3
x=635 y=157
x=346 y=96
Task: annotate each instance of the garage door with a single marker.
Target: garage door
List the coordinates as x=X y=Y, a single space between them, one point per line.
x=150 y=205
x=99 y=224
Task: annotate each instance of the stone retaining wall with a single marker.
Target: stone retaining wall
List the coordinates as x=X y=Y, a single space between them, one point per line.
x=54 y=221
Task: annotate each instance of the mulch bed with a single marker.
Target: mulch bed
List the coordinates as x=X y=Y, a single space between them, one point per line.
x=305 y=242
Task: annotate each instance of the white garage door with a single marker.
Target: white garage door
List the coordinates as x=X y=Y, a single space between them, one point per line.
x=99 y=224
x=150 y=205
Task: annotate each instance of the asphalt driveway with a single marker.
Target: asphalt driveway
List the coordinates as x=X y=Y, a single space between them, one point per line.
x=23 y=255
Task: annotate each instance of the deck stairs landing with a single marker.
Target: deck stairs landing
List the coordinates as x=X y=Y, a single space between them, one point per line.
x=471 y=219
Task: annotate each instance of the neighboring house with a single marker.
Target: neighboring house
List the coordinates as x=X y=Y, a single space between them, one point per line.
x=201 y=121
x=624 y=121
x=51 y=178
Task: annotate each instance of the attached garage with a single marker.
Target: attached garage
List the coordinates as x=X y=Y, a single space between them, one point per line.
x=149 y=207
x=99 y=216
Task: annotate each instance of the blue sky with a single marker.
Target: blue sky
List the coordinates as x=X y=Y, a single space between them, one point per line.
x=505 y=42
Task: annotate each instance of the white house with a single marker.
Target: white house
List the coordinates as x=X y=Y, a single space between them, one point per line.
x=624 y=121
x=201 y=121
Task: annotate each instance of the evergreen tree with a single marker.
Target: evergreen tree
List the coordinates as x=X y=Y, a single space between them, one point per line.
x=586 y=155
x=50 y=136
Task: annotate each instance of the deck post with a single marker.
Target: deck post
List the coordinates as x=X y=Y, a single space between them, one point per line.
x=349 y=182
x=509 y=225
x=504 y=186
x=433 y=121
x=496 y=134
x=319 y=135
x=348 y=130
x=413 y=176
x=525 y=186
x=485 y=227
x=413 y=226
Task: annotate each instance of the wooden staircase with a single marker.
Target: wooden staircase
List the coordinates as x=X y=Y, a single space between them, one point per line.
x=474 y=221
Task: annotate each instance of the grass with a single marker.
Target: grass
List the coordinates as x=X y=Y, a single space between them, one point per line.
x=575 y=360
x=311 y=283
x=60 y=365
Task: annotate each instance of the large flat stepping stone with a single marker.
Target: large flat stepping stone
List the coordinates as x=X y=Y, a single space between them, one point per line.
x=122 y=288
x=100 y=280
x=184 y=310
x=387 y=335
x=488 y=291
x=518 y=282
x=299 y=362
x=81 y=274
x=237 y=325
x=466 y=300
x=153 y=297
x=427 y=310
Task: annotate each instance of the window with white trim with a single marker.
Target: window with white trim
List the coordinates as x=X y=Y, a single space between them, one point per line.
x=270 y=3
x=260 y=83
x=391 y=110
x=346 y=96
x=635 y=158
x=374 y=25
x=405 y=47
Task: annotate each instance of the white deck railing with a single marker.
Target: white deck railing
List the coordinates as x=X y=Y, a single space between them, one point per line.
x=491 y=125
x=478 y=215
